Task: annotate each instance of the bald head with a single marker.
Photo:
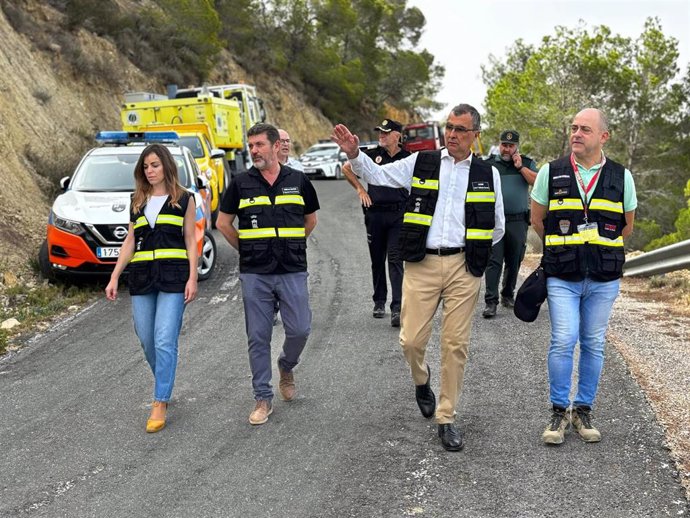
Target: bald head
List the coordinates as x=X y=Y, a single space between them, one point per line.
x=594 y=113
x=284 y=151
x=588 y=134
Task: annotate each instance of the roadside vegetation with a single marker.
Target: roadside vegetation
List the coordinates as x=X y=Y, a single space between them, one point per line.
x=33 y=302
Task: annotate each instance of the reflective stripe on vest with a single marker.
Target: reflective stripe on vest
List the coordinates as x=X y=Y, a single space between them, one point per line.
x=602 y=204
x=566 y=204
x=289 y=199
x=160 y=253
x=604 y=241
x=258 y=200
x=479 y=233
x=480 y=197
x=140 y=222
x=169 y=219
x=257 y=233
x=556 y=240
x=291 y=232
x=421 y=183
x=417 y=219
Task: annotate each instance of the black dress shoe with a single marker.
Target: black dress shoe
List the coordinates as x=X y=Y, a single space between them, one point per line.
x=490 y=310
x=508 y=302
x=451 y=437
x=395 y=318
x=425 y=397
x=379 y=310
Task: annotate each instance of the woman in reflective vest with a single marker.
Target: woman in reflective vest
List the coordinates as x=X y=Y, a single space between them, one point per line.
x=161 y=249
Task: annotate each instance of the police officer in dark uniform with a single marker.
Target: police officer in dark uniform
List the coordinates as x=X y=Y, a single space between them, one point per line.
x=517 y=172
x=383 y=215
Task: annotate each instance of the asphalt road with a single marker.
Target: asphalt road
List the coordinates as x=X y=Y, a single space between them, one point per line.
x=73 y=405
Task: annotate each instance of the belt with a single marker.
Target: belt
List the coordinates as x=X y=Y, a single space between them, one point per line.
x=444 y=251
x=387 y=207
x=522 y=216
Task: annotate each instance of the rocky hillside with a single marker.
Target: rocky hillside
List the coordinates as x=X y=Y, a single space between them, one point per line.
x=50 y=111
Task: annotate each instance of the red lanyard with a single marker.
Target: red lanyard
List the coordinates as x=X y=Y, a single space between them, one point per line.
x=579 y=179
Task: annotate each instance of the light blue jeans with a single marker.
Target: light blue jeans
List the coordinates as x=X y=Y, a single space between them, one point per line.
x=157 y=322
x=579 y=311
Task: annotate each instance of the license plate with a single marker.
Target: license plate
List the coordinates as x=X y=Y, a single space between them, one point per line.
x=309 y=170
x=108 y=252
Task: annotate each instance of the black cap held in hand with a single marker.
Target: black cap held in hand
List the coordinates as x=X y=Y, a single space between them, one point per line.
x=531 y=296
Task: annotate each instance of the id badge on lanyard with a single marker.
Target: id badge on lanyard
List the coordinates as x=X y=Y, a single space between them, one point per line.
x=588 y=231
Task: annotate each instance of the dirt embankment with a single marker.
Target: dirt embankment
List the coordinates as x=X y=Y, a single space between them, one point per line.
x=49 y=114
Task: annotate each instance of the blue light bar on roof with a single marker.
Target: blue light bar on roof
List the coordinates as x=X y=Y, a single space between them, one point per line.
x=126 y=137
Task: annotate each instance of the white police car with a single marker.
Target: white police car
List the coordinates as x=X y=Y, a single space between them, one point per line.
x=89 y=220
x=324 y=160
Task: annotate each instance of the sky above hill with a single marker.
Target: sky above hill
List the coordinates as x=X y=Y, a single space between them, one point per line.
x=461 y=34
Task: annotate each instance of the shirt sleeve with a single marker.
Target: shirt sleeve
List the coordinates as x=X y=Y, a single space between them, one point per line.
x=540 y=189
x=500 y=219
x=394 y=174
x=311 y=200
x=230 y=203
x=629 y=193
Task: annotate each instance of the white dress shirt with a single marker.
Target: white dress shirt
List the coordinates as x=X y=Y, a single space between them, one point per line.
x=448 y=223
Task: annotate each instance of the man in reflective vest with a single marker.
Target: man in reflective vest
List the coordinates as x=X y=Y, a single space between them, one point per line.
x=276 y=210
x=583 y=206
x=453 y=214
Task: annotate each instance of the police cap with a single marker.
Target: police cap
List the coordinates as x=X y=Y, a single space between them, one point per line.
x=389 y=125
x=510 y=137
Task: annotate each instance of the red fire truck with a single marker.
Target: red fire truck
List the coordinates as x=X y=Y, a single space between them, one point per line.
x=420 y=136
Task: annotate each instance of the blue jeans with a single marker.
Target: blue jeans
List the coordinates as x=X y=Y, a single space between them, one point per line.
x=157 y=322
x=259 y=292
x=579 y=311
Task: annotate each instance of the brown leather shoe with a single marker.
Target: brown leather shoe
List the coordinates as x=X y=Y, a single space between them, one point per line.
x=287 y=385
x=261 y=412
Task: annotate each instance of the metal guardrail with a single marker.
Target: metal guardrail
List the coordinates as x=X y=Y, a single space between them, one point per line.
x=663 y=260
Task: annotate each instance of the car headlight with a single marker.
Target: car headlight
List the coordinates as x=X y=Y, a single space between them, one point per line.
x=67 y=225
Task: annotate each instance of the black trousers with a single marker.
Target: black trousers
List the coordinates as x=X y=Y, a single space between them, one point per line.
x=383 y=230
x=509 y=250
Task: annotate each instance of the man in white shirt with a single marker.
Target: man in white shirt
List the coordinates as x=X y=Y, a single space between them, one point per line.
x=453 y=215
x=284 y=152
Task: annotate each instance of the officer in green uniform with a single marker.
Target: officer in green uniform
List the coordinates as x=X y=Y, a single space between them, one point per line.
x=517 y=172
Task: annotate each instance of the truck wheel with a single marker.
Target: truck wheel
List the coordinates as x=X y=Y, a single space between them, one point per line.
x=44 y=262
x=207 y=260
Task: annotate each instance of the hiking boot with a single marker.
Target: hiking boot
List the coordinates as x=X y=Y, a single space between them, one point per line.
x=262 y=410
x=379 y=310
x=286 y=386
x=490 y=310
x=395 y=318
x=507 y=302
x=555 y=432
x=581 y=418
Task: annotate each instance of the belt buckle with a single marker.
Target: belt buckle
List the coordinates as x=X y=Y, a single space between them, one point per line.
x=439 y=252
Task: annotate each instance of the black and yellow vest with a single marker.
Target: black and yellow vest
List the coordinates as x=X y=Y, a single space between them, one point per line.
x=160 y=256
x=271 y=231
x=566 y=255
x=480 y=204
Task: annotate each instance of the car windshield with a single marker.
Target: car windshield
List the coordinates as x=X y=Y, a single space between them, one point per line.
x=194 y=145
x=105 y=173
x=322 y=151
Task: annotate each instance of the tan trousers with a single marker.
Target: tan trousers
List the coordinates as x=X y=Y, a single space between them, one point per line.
x=425 y=285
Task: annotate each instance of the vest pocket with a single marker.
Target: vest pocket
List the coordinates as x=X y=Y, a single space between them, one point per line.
x=611 y=259
x=480 y=215
x=560 y=260
x=412 y=242
x=477 y=257
x=138 y=275
x=174 y=273
x=609 y=228
x=253 y=253
x=296 y=252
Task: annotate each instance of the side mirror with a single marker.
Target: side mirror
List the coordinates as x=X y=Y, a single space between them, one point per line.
x=217 y=153
x=343 y=156
x=64 y=182
x=201 y=182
